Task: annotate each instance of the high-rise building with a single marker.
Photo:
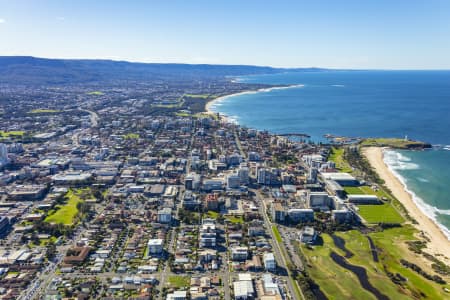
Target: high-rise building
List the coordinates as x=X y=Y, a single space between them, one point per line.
x=312 y=175
x=233 y=181
x=243 y=173
x=3 y=155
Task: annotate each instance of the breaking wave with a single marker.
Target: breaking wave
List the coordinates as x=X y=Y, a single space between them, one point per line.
x=397 y=161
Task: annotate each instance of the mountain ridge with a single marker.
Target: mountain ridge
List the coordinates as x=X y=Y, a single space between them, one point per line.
x=35 y=70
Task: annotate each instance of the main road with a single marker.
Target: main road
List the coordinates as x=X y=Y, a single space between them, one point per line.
x=278 y=252
x=93 y=116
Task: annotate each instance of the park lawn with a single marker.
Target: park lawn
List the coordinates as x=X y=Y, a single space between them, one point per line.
x=130 y=136
x=96 y=93
x=235 y=220
x=354 y=190
x=178 y=281
x=277 y=234
x=44 y=242
x=11 y=133
x=202 y=96
x=212 y=214
x=65 y=214
x=392 y=242
x=380 y=213
x=44 y=111
x=367 y=190
x=145 y=255
x=337 y=156
x=380 y=192
x=205 y=115
x=390 y=142
x=182 y=114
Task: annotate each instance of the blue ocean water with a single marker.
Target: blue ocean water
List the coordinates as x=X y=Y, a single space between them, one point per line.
x=363 y=104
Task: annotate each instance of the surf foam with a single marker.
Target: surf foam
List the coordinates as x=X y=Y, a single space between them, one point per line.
x=396 y=161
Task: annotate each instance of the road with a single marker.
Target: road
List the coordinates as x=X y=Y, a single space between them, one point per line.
x=238 y=143
x=171 y=248
x=44 y=280
x=93 y=116
x=278 y=252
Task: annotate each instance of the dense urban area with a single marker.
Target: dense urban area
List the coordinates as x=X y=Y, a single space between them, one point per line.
x=134 y=191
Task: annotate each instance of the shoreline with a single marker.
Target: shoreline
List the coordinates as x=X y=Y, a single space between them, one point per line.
x=438 y=241
x=208 y=105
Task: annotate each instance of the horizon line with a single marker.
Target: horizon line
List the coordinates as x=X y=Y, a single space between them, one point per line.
x=293 y=68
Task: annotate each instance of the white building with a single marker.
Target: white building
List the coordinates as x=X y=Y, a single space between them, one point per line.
x=270 y=287
x=308 y=235
x=207 y=234
x=155 y=246
x=344 y=179
x=269 y=262
x=177 y=295
x=243 y=288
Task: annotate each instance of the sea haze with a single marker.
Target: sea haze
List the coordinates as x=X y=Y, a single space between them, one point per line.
x=363 y=104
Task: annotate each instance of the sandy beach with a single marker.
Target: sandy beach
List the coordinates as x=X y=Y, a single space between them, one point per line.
x=439 y=244
x=221 y=98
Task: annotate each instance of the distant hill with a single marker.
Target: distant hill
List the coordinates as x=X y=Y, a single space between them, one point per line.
x=40 y=71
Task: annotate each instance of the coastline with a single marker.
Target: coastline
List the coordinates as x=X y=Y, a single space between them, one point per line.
x=210 y=104
x=438 y=241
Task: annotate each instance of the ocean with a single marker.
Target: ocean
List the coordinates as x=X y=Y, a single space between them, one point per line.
x=415 y=104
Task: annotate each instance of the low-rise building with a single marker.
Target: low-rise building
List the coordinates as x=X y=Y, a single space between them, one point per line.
x=308 y=235
x=177 y=295
x=363 y=199
x=239 y=253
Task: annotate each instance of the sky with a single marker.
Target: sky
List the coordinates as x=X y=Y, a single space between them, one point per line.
x=376 y=34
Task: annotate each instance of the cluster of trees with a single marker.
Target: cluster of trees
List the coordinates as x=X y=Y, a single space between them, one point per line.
x=437 y=265
x=416 y=246
x=306 y=283
x=56 y=230
x=419 y=270
x=355 y=159
x=396 y=278
x=188 y=217
x=326 y=227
